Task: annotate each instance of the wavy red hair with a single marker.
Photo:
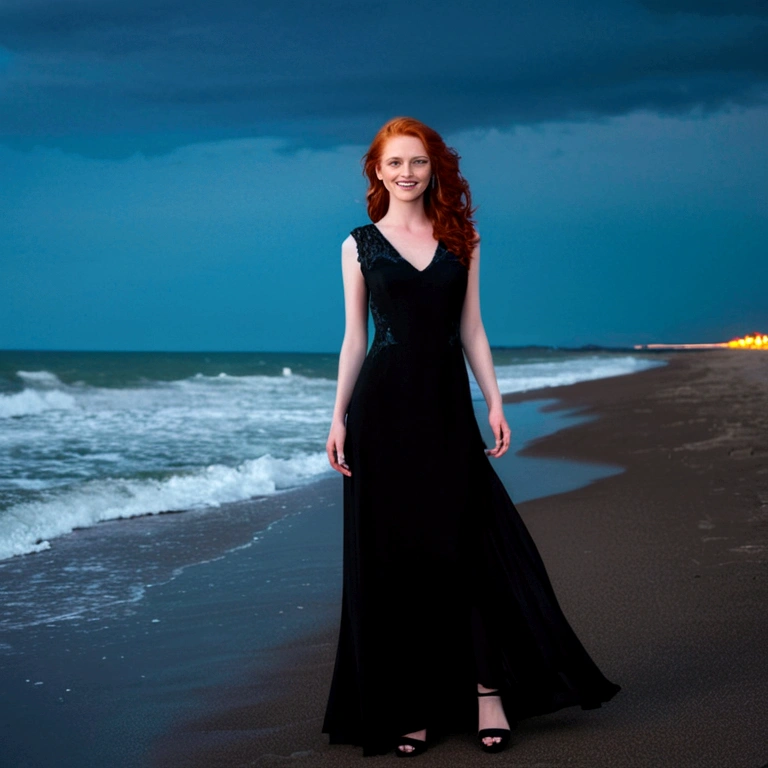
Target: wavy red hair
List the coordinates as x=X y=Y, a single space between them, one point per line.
x=448 y=204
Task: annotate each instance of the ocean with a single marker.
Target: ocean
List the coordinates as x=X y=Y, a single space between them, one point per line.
x=87 y=437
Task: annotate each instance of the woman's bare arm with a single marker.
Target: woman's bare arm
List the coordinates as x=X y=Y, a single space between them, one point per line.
x=478 y=352
x=353 y=350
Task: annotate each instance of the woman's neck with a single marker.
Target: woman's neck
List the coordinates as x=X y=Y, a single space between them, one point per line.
x=410 y=216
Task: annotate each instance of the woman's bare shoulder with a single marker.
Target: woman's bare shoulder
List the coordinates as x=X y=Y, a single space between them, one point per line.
x=349 y=247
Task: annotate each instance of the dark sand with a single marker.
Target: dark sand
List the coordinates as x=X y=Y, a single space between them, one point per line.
x=661 y=570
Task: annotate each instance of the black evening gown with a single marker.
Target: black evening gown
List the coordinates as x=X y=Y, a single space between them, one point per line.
x=443 y=586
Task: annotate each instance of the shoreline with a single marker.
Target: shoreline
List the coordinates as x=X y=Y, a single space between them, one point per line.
x=152 y=549
x=660 y=569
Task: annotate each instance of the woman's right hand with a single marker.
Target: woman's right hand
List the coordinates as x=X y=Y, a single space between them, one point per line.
x=334 y=447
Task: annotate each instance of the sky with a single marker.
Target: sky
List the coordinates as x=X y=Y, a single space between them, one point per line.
x=180 y=174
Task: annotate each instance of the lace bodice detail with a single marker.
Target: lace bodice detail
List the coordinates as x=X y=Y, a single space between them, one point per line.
x=372 y=246
x=383 y=330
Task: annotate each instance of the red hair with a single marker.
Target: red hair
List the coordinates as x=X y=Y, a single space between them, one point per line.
x=448 y=204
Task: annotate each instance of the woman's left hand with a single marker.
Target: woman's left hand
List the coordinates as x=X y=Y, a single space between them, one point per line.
x=501 y=432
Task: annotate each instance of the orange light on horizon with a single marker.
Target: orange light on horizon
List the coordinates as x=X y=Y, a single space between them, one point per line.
x=750 y=341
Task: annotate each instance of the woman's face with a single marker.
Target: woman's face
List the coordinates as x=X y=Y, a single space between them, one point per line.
x=405 y=168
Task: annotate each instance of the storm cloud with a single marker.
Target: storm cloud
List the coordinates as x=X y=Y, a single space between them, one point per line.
x=112 y=78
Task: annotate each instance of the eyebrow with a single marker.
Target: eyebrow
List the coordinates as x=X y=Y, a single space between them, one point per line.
x=415 y=157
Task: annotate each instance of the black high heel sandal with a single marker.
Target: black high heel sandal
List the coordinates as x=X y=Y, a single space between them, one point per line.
x=502 y=733
x=418 y=745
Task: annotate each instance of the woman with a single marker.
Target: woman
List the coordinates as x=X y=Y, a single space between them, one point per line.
x=444 y=594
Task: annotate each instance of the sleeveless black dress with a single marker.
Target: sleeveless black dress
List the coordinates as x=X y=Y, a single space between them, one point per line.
x=443 y=586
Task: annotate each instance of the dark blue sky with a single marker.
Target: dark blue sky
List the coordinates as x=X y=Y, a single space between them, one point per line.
x=180 y=175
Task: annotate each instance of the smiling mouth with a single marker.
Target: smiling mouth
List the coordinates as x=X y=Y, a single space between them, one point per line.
x=406 y=184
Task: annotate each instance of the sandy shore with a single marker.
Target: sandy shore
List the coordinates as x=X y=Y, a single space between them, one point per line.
x=661 y=570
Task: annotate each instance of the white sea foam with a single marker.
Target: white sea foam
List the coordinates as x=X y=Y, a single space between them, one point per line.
x=40 y=378
x=30 y=401
x=28 y=527
x=527 y=376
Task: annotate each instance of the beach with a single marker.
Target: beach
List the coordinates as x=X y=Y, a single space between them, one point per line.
x=661 y=569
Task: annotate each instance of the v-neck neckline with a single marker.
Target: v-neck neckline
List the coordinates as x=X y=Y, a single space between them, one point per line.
x=400 y=255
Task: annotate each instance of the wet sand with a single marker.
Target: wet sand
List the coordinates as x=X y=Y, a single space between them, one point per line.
x=661 y=571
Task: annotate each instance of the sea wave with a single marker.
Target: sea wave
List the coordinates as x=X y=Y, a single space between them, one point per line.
x=29 y=402
x=72 y=455
x=40 y=378
x=29 y=527
x=527 y=376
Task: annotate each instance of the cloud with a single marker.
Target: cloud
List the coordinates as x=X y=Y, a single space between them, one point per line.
x=111 y=79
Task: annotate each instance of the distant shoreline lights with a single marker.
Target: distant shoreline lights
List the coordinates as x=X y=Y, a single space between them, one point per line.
x=750 y=341
x=753 y=341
